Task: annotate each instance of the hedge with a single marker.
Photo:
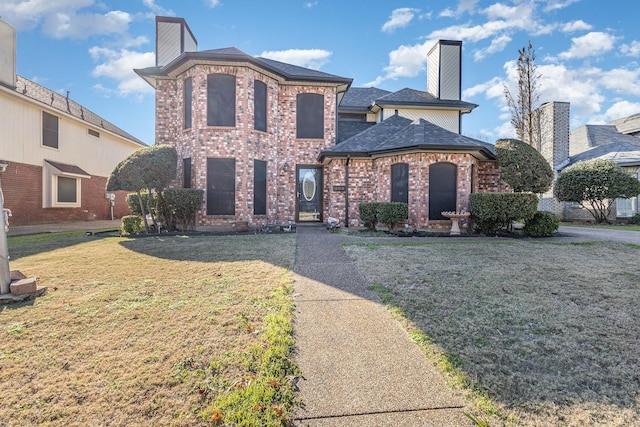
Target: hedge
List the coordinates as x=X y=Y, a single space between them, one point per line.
x=387 y=213
x=543 y=224
x=493 y=211
x=131 y=224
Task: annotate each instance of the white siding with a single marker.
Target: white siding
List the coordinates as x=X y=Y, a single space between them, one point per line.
x=433 y=71
x=7 y=54
x=169 y=42
x=450 y=72
x=21 y=138
x=448 y=120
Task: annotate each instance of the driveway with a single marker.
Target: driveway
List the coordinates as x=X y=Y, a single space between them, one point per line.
x=589 y=233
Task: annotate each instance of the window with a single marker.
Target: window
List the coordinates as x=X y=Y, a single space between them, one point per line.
x=259 y=187
x=442 y=189
x=259 y=105
x=310 y=116
x=221 y=100
x=187 y=98
x=626 y=208
x=93 y=133
x=400 y=182
x=186 y=173
x=61 y=185
x=49 y=130
x=66 y=189
x=221 y=186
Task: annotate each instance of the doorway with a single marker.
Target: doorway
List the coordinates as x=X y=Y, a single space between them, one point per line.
x=309 y=193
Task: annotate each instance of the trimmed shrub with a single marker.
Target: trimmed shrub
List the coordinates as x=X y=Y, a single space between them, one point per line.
x=148 y=200
x=131 y=224
x=391 y=213
x=543 y=224
x=492 y=212
x=369 y=214
x=183 y=203
x=635 y=219
x=523 y=167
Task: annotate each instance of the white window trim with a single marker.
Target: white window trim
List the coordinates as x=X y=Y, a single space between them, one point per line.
x=50 y=176
x=54 y=192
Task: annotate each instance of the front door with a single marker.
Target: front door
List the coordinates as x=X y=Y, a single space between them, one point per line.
x=309 y=193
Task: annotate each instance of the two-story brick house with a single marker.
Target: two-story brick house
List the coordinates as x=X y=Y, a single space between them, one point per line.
x=265 y=139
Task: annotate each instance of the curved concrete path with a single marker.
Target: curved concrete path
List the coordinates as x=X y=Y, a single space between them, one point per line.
x=358 y=364
x=589 y=233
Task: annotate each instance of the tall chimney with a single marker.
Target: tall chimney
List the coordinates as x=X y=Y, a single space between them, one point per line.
x=7 y=54
x=173 y=38
x=444 y=70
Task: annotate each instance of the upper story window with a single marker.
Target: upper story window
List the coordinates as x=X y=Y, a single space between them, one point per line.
x=259 y=105
x=310 y=116
x=50 y=130
x=221 y=100
x=187 y=98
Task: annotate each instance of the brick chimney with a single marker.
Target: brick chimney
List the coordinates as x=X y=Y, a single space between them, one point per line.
x=444 y=70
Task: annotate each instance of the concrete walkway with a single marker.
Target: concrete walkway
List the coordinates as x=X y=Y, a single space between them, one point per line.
x=359 y=365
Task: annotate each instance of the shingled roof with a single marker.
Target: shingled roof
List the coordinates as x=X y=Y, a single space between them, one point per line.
x=610 y=144
x=398 y=134
x=66 y=105
x=288 y=72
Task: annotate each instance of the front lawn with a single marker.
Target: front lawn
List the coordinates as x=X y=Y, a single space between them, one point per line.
x=549 y=333
x=162 y=331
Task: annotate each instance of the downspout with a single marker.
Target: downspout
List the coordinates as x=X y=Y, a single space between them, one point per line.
x=346 y=193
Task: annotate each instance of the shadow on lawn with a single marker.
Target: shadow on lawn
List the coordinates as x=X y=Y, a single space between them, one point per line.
x=271 y=248
x=550 y=331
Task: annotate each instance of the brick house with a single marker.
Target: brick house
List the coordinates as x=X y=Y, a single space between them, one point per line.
x=58 y=153
x=272 y=142
x=617 y=141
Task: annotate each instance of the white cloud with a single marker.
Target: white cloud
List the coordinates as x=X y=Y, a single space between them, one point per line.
x=214 y=3
x=310 y=4
x=497 y=45
x=558 y=4
x=632 y=49
x=399 y=18
x=464 y=6
x=620 y=110
x=119 y=65
x=27 y=14
x=156 y=9
x=573 y=26
x=61 y=25
x=595 y=43
x=310 y=58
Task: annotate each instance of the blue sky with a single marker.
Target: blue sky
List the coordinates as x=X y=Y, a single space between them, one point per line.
x=588 y=51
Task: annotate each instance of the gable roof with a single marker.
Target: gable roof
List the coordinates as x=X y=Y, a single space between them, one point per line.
x=54 y=100
x=397 y=134
x=371 y=99
x=609 y=144
x=287 y=72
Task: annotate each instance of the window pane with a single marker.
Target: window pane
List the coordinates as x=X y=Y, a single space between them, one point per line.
x=259 y=187
x=260 y=105
x=442 y=189
x=188 y=91
x=221 y=100
x=67 y=190
x=186 y=168
x=310 y=116
x=400 y=182
x=221 y=186
x=49 y=130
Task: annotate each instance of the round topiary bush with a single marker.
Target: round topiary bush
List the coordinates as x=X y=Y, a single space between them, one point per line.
x=543 y=224
x=523 y=167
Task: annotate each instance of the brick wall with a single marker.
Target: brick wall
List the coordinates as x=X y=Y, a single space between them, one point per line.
x=22 y=189
x=277 y=146
x=370 y=180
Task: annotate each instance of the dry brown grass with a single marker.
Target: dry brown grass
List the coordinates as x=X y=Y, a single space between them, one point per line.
x=550 y=331
x=129 y=329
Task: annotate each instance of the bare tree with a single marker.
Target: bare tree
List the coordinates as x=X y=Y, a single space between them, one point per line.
x=524 y=105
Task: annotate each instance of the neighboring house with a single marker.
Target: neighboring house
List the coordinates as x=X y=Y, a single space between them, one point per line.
x=563 y=148
x=59 y=154
x=274 y=142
